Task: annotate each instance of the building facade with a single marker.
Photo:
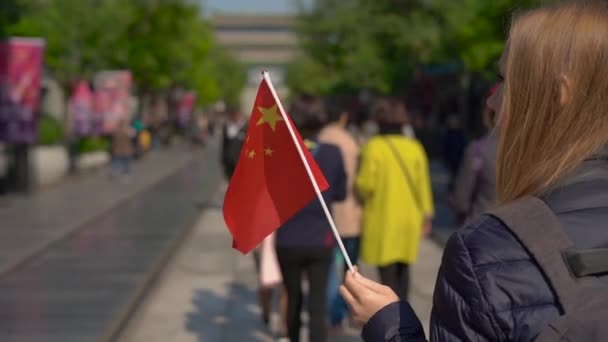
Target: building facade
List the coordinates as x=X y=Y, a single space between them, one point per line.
x=260 y=42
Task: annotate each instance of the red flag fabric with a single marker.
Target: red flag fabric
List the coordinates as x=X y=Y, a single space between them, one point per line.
x=270 y=183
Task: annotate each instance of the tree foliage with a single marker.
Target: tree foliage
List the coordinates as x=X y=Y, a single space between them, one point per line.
x=475 y=31
x=77 y=42
x=376 y=45
x=166 y=44
x=9 y=14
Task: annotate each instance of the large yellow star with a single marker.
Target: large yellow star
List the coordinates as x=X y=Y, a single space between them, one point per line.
x=269 y=116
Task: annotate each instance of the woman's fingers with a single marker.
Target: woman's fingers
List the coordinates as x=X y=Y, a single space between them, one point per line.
x=353 y=286
x=352 y=281
x=365 y=297
x=353 y=304
x=348 y=297
x=370 y=284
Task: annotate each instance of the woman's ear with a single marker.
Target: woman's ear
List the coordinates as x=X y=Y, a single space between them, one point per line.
x=565 y=89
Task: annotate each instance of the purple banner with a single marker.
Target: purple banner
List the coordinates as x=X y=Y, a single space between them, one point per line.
x=20 y=72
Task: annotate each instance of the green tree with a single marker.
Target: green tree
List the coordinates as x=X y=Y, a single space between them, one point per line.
x=474 y=31
x=338 y=48
x=9 y=14
x=79 y=34
x=375 y=45
x=160 y=42
x=230 y=75
x=169 y=45
x=305 y=75
x=364 y=44
x=166 y=44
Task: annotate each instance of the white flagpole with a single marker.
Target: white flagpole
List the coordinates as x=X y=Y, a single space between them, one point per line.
x=266 y=77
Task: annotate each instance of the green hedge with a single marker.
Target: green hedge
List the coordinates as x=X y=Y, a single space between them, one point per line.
x=93 y=144
x=50 y=130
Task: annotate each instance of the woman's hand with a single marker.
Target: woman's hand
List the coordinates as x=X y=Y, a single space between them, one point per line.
x=365 y=297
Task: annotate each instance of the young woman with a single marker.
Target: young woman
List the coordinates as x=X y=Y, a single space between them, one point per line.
x=347 y=214
x=554 y=133
x=305 y=243
x=394 y=185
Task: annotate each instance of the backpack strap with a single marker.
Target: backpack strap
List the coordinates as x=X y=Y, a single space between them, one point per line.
x=313 y=146
x=406 y=174
x=539 y=230
x=587 y=262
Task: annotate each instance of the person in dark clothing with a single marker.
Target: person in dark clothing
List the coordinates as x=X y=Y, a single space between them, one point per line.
x=474 y=190
x=454 y=144
x=304 y=244
x=234 y=133
x=490 y=287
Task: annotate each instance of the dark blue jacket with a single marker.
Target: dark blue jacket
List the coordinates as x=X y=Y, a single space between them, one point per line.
x=488 y=287
x=309 y=227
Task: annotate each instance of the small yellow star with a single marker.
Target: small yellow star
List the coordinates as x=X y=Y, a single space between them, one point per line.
x=268 y=151
x=251 y=154
x=269 y=116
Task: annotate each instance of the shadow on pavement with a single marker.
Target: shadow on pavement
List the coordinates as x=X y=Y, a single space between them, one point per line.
x=217 y=318
x=237 y=320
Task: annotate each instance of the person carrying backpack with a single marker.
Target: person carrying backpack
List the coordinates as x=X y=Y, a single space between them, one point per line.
x=536 y=266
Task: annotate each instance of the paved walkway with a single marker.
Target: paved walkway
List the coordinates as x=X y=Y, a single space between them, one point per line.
x=208 y=291
x=81 y=287
x=445 y=222
x=29 y=223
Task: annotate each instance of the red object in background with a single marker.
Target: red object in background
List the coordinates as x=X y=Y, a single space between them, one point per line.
x=270 y=183
x=20 y=74
x=186 y=108
x=491 y=92
x=493 y=89
x=81 y=110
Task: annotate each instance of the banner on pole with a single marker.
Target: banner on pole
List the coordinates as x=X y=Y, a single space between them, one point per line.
x=81 y=111
x=21 y=61
x=112 y=98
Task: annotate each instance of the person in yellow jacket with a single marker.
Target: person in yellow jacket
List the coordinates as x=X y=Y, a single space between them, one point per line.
x=394 y=185
x=145 y=140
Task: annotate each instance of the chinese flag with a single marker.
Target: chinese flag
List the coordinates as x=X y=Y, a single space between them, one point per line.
x=270 y=183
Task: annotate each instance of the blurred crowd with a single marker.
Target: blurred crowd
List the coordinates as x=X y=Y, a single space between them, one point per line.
x=381 y=199
x=531 y=259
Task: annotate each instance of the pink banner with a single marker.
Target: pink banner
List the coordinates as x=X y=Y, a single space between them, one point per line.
x=113 y=98
x=81 y=110
x=186 y=108
x=21 y=62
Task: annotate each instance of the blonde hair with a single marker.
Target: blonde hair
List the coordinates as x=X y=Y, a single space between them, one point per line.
x=544 y=137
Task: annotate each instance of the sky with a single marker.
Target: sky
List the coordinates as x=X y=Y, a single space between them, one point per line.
x=249 y=6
